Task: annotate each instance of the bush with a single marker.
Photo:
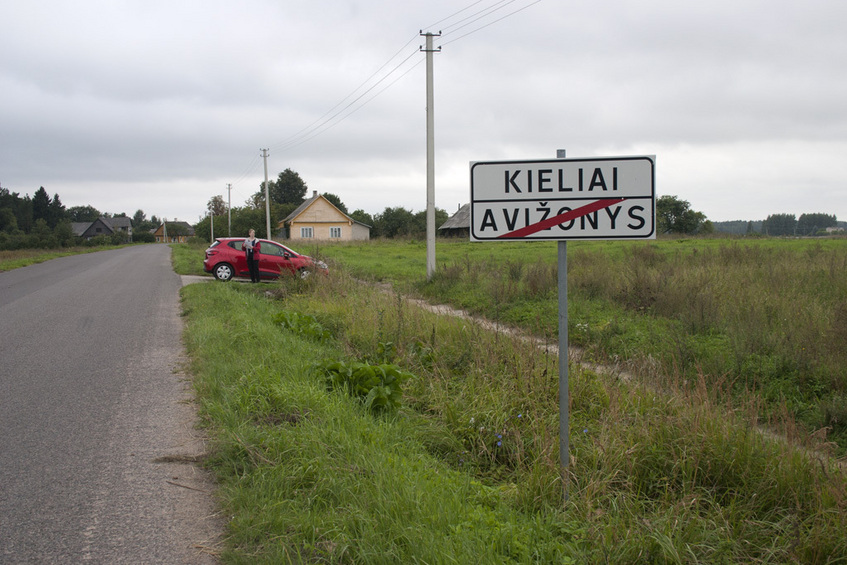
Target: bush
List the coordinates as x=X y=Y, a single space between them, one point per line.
x=379 y=387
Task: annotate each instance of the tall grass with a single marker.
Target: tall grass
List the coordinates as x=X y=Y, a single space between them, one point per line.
x=467 y=470
x=763 y=319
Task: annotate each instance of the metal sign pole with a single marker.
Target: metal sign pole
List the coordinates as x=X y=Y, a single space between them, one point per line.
x=564 y=400
x=564 y=396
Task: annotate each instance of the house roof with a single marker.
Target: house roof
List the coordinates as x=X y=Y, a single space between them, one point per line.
x=305 y=205
x=459 y=220
x=120 y=222
x=80 y=227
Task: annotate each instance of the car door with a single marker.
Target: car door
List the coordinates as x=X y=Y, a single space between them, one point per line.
x=238 y=258
x=274 y=260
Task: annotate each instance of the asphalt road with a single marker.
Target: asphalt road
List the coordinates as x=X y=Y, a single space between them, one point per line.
x=96 y=424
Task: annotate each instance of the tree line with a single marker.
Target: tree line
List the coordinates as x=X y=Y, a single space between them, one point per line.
x=42 y=222
x=286 y=193
x=676 y=216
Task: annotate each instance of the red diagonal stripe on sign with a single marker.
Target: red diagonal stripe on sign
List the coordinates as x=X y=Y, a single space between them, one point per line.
x=562 y=218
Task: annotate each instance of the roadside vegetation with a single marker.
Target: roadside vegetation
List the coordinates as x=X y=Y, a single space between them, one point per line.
x=349 y=426
x=22 y=257
x=756 y=320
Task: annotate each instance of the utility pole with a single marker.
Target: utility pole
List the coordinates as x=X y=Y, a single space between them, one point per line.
x=267 y=197
x=229 y=209
x=212 y=220
x=430 y=158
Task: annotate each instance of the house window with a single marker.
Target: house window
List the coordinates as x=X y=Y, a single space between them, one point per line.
x=335 y=232
x=306 y=233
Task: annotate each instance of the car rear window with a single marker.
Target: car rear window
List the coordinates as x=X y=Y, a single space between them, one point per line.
x=236 y=244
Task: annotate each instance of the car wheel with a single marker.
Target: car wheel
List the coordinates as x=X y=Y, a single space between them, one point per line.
x=304 y=273
x=223 y=272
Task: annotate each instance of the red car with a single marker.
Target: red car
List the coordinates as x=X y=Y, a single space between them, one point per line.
x=225 y=259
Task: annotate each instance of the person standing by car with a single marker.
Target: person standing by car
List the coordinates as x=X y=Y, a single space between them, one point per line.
x=251 y=247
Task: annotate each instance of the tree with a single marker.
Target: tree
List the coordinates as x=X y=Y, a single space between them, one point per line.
x=243 y=219
x=336 y=201
x=56 y=212
x=8 y=221
x=362 y=217
x=288 y=188
x=779 y=224
x=83 y=213
x=40 y=205
x=676 y=216
x=810 y=224
x=217 y=206
x=393 y=222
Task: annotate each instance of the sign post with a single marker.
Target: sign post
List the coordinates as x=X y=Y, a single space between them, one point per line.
x=559 y=200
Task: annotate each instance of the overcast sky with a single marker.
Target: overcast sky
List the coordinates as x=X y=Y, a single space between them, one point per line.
x=158 y=105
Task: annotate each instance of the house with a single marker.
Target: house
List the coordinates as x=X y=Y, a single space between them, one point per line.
x=318 y=218
x=459 y=224
x=103 y=226
x=120 y=224
x=173 y=232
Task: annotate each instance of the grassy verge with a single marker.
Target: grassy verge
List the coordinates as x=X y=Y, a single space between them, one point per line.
x=759 y=320
x=23 y=257
x=466 y=470
x=187 y=258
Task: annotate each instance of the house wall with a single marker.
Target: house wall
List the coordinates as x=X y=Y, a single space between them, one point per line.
x=360 y=232
x=322 y=216
x=322 y=231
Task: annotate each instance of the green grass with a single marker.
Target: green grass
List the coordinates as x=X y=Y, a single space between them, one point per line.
x=760 y=318
x=466 y=471
x=187 y=258
x=24 y=257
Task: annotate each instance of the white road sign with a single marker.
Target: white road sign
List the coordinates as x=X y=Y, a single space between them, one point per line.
x=561 y=199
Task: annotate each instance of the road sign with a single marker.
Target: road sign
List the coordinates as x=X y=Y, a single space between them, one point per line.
x=562 y=199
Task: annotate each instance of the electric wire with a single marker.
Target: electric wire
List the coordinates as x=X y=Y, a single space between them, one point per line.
x=488 y=24
x=432 y=26
x=305 y=131
x=325 y=122
x=332 y=118
x=363 y=104
x=478 y=15
x=317 y=129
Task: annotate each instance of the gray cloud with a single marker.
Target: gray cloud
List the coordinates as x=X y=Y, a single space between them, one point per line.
x=158 y=105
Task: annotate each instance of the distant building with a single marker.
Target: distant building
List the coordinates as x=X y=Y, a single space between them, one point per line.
x=459 y=224
x=318 y=218
x=103 y=226
x=173 y=232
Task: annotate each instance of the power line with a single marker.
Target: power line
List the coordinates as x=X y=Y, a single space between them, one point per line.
x=332 y=118
x=432 y=26
x=484 y=12
x=314 y=130
x=306 y=130
x=489 y=23
x=362 y=105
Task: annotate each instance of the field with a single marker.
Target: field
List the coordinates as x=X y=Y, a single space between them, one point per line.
x=350 y=426
x=756 y=321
